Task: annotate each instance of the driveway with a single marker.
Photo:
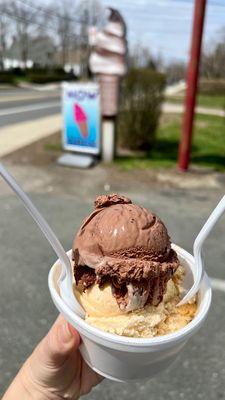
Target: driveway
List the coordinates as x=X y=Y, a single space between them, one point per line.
x=65 y=196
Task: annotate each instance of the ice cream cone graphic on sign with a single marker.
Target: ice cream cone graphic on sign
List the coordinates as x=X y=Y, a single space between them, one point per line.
x=81 y=120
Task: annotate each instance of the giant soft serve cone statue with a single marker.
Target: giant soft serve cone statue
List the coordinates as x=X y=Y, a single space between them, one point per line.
x=108 y=61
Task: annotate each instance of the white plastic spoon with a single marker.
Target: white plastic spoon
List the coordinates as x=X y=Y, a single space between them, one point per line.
x=197 y=248
x=65 y=281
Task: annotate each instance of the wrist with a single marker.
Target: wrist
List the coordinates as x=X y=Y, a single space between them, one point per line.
x=22 y=387
x=19 y=389
x=33 y=389
x=30 y=389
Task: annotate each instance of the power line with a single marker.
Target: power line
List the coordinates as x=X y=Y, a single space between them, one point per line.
x=210 y=4
x=51 y=13
x=24 y=20
x=56 y=15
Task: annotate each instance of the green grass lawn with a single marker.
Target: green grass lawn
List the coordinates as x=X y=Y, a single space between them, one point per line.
x=202 y=100
x=208 y=148
x=211 y=101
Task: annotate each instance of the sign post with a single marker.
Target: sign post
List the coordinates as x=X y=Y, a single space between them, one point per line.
x=81 y=123
x=192 y=82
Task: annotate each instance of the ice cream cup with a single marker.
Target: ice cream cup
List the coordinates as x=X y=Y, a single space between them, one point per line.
x=123 y=358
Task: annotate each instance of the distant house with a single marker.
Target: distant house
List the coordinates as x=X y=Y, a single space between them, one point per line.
x=40 y=52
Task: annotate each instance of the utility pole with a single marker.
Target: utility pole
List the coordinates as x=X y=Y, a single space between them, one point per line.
x=84 y=42
x=192 y=83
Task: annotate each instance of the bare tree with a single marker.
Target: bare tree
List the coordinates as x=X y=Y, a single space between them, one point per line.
x=95 y=12
x=90 y=13
x=63 y=15
x=175 y=72
x=4 y=32
x=65 y=21
x=83 y=41
x=25 y=23
x=140 y=57
x=213 y=61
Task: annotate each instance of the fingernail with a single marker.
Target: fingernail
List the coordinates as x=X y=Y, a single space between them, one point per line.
x=72 y=330
x=65 y=333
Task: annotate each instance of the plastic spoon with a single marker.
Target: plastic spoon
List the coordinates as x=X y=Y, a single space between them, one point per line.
x=197 y=248
x=65 y=281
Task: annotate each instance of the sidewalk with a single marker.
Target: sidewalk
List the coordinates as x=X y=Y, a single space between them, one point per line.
x=171 y=108
x=27 y=85
x=41 y=87
x=27 y=96
x=17 y=136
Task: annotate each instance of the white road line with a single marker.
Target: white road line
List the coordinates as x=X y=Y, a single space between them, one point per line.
x=11 y=98
x=218 y=284
x=18 y=110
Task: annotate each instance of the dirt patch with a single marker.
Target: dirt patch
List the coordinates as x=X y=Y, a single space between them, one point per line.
x=201 y=124
x=166 y=119
x=42 y=152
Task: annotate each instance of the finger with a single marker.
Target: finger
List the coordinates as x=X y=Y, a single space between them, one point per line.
x=89 y=379
x=56 y=347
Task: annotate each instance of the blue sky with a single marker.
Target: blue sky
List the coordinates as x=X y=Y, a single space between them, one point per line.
x=165 y=25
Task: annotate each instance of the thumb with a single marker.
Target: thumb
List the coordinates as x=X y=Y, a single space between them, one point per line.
x=56 y=347
x=48 y=363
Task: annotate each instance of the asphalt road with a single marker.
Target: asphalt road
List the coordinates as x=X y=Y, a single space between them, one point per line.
x=21 y=105
x=27 y=312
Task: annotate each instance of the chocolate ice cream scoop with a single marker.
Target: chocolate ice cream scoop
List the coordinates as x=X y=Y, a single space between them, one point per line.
x=127 y=246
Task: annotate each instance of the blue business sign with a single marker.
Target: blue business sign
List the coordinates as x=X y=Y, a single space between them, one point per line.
x=81 y=117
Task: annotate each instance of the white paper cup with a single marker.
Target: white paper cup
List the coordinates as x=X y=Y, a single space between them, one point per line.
x=123 y=358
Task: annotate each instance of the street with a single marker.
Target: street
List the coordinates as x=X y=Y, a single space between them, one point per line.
x=26 y=308
x=20 y=105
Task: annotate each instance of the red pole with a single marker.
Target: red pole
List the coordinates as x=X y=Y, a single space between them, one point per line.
x=192 y=82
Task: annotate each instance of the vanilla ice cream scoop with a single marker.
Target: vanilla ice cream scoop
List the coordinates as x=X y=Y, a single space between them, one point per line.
x=103 y=312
